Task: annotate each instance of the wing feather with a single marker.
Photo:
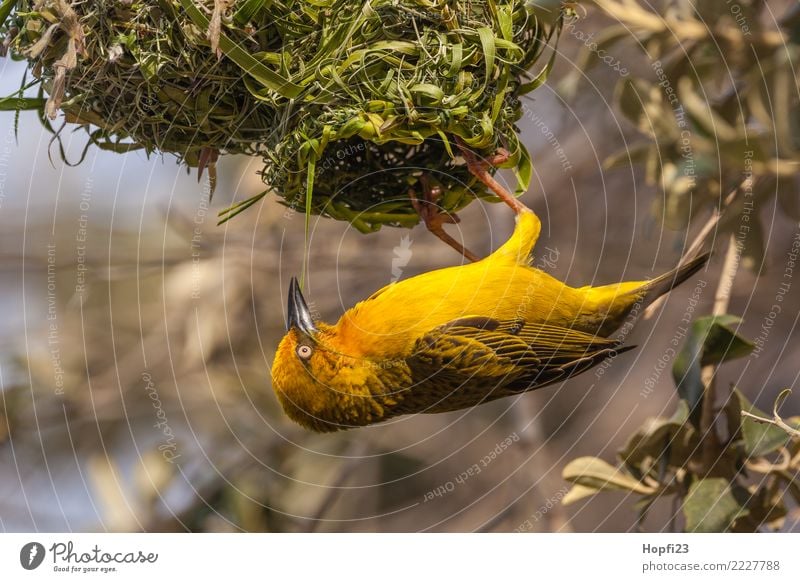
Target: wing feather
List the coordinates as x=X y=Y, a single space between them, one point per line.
x=475 y=359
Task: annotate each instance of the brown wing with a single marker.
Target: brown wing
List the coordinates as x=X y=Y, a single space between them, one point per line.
x=477 y=359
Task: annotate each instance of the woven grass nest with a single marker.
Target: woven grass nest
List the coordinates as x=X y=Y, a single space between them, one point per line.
x=348 y=102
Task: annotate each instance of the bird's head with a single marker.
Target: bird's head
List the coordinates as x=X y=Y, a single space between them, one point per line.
x=318 y=385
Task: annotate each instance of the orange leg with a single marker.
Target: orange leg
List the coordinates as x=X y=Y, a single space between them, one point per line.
x=434 y=218
x=479 y=169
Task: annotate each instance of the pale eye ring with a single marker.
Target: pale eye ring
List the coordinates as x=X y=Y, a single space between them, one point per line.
x=304 y=351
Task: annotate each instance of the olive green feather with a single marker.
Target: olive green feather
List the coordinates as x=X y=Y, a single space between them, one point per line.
x=478 y=359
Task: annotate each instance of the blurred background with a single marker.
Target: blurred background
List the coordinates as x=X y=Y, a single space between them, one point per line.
x=138 y=335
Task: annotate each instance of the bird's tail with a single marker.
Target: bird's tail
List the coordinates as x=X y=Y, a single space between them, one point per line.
x=662 y=284
x=614 y=302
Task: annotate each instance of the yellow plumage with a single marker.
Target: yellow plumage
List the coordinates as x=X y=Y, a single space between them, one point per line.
x=452 y=338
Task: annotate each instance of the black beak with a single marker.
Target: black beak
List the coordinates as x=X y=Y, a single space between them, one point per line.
x=299 y=314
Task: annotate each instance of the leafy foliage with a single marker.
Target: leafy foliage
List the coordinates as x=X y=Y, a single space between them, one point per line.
x=720 y=113
x=348 y=104
x=665 y=458
x=718 y=104
x=711 y=341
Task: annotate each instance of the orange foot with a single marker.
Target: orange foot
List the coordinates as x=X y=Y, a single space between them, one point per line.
x=480 y=169
x=434 y=218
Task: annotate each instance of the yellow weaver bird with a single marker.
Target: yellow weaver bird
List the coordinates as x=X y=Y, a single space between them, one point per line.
x=452 y=338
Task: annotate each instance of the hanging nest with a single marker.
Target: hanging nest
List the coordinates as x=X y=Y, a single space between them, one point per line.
x=348 y=103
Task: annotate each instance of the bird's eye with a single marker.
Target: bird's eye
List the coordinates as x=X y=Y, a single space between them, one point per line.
x=304 y=351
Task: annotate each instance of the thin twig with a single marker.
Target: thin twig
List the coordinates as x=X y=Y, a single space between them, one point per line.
x=707 y=375
x=776 y=420
x=698 y=243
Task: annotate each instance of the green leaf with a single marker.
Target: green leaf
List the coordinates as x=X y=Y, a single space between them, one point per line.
x=118 y=148
x=6 y=6
x=631 y=156
x=243 y=59
x=733 y=415
x=630 y=100
x=541 y=76
x=226 y=214
x=759 y=438
x=432 y=92
x=659 y=435
x=792 y=485
x=247 y=10
x=523 y=170
x=21 y=103
x=577 y=493
x=489 y=50
x=700 y=111
x=723 y=343
x=765 y=507
x=596 y=474
x=686 y=371
x=711 y=340
x=711 y=506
